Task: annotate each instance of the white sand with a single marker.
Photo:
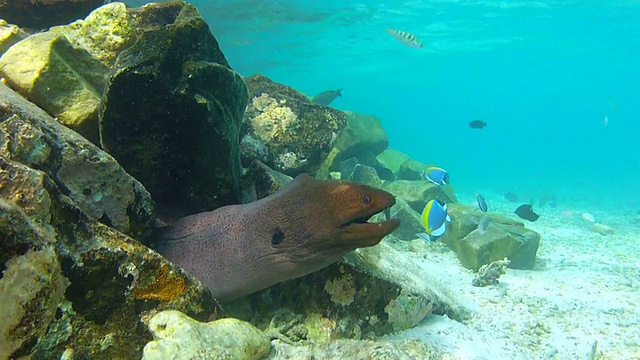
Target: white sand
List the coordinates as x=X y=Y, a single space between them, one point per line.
x=585 y=288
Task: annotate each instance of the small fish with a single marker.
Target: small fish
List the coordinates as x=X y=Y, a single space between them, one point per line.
x=482 y=203
x=477 y=124
x=483 y=224
x=511 y=197
x=526 y=212
x=436 y=175
x=605 y=122
x=405 y=38
x=326 y=97
x=434 y=219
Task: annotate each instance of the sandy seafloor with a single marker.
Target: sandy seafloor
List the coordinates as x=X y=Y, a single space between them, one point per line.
x=585 y=288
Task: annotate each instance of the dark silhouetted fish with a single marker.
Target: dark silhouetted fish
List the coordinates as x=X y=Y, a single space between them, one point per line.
x=326 y=97
x=526 y=212
x=511 y=197
x=477 y=124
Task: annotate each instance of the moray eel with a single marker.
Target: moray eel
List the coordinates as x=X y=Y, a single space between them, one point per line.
x=309 y=224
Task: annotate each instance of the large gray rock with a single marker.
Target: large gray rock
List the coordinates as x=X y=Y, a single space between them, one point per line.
x=172 y=111
x=98 y=282
x=93 y=179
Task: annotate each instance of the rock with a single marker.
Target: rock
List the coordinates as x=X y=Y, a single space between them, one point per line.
x=367 y=158
x=105 y=32
x=177 y=336
x=363 y=134
x=92 y=179
x=298 y=134
x=504 y=238
x=31 y=287
x=418 y=193
x=370 y=293
x=366 y=175
x=392 y=159
x=347 y=166
x=355 y=349
x=602 y=229
x=9 y=35
x=410 y=220
x=260 y=181
x=411 y=169
x=113 y=280
x=64 y=80
x=42 y=14
x=172 y=111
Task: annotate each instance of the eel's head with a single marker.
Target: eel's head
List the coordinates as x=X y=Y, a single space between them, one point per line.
x=337 y=217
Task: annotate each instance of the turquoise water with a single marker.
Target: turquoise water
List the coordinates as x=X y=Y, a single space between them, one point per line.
x=542 y=74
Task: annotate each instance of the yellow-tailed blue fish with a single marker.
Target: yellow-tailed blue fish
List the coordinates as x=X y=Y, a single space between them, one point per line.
x=434 y=219
x=437 y=175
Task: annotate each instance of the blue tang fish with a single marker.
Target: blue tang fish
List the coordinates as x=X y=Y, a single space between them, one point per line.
x=434 y=218
x=482 y=203
x=436 y=175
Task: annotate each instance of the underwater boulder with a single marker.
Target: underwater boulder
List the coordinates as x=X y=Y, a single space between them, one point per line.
x=417 y=193
x=363 y=134
x=98 y=282
x=298 y=134
x=411 y=170
x=64 y=80
x=42 y=14
x=260 y=181
x=505 y=238
x=392 y=159
x=91 y=178
x=9 y=35
x=172 y=111
x=372 y=292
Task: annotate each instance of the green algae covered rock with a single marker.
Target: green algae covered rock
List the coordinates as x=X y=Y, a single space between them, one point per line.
x=417 y=193
x=363 y=134
x=296 y=135
x=392 y=159
x=178 y=337
x=64 y=80
x=505 y=238
x=172 y=111
x=9 y=35
x=104 y=33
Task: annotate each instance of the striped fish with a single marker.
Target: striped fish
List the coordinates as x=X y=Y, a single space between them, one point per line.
x=405 y=37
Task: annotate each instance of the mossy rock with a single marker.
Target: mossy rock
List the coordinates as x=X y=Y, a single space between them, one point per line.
x=504 y=238
x=172 y=111
x=392 y=159
x=417 y=193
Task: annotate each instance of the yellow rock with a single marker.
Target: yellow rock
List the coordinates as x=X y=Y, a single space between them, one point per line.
x=64 y=80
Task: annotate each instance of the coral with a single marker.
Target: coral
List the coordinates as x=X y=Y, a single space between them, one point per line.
x=407 y=310
x=489 y=274
x=341 y=289
x=31 y=288
x=275 y=121
x=177 y=336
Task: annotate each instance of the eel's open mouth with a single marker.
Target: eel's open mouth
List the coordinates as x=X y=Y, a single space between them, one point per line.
x=361 y=233
x=365 y=218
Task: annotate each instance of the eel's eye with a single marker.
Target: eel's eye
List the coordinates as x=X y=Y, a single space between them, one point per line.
x=366 y=199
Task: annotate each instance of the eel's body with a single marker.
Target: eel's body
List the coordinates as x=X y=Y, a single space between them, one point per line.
x=239 y=249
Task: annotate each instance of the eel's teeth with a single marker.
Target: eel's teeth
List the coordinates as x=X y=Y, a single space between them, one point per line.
x=387 y=214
